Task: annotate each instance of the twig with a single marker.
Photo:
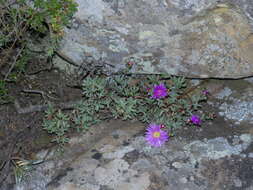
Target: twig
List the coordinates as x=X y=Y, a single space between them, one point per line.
x=35 y=92
x=67 y=59
x=72 y=62
x=19 y=33
x=13 y=64
x=39 y=71
x=8 y=52
x=42 y=93
x=39 y=108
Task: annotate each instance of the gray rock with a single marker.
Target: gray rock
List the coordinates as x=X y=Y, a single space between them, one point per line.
x=215 y=148
x=194 y=38
x=143 y=168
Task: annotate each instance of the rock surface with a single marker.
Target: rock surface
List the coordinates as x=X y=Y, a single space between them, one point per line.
x=193 y=38
x=115 y=155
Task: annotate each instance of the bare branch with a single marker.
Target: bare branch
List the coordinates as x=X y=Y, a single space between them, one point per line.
x=39 y=108
x=13 y=64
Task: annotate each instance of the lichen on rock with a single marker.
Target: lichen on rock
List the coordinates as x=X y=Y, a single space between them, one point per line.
x=193 y=38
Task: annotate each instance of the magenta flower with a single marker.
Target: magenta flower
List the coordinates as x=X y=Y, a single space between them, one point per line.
x=155 y=136
x=205 y=92
x=159 y=91
x=130 y=63
x=195 y=120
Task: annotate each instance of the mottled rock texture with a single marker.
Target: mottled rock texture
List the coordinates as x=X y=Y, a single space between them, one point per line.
x=217 y=155
x=193 y=38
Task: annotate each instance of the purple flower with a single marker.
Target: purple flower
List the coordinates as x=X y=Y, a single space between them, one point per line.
x=130 y=63
x=155 y=136
x=205 y=92
x=159 y=91
x=195 y=120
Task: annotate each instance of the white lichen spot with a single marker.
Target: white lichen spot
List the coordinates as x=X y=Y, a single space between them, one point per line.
x=224 y=93
x=237 y=110
x=218 y=20
x=143 y=35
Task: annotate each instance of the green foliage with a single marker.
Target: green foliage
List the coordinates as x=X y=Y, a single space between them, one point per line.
x=37 y=15
x=55 y=12
x=128 y=97
x=57 y=123
x=24 y=22
x=94 y=87
x=124 y=108
x=86 y=114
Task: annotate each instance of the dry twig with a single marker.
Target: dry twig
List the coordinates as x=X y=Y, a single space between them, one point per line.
x=42 y=93
x=13 y=64
x=38 y=108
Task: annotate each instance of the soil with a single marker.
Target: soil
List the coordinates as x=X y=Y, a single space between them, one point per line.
x=21 y=135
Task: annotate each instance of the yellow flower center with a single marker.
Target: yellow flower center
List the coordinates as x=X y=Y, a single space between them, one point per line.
x=156 y=134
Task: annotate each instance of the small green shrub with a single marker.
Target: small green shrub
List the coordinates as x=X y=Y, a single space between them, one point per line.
x=23 y=22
